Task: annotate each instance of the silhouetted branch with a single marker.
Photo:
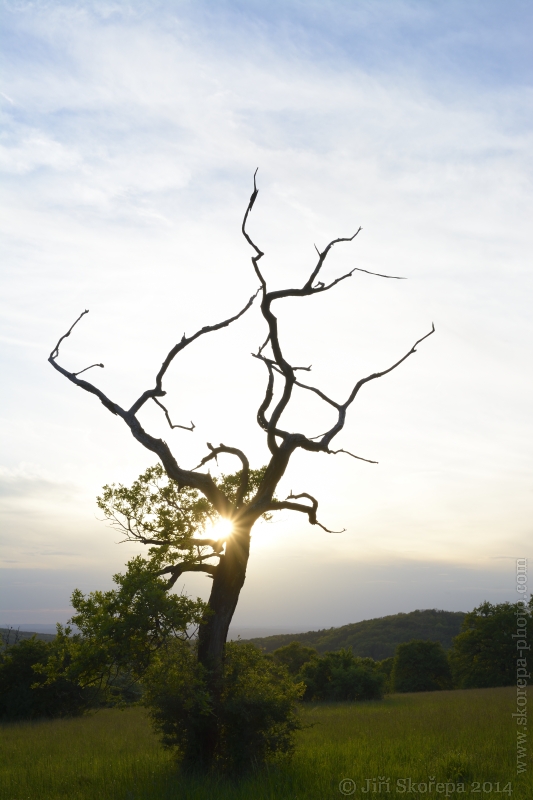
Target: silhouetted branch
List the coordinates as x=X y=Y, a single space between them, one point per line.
x=245 y=472
x=183 y=427
x=185 y=341
x=177 y=570
x=279 y=505
x=259 y=254
x=359 y=458
x=55 y=351
x=281 y=443
x=318 y=392
x=86 y=368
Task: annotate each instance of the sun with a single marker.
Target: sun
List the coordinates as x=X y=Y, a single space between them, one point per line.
x=222 y=528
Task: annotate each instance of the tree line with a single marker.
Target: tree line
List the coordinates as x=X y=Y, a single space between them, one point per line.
x=72 y=674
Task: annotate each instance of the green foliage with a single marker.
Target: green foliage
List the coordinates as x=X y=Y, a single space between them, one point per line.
x=420 y=667
x=385 y=667
x=293 y=656
x=157 y=512
x=230 y=484
x=26 y=694
x=485 y=654
x=375 y=638
x=176 y=694
x=341 y=676
x=120 y=630
x=259 y=714
x=255 y=709
x=10 y=636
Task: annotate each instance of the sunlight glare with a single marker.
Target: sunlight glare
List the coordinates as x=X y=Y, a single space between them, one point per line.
x=222 y=529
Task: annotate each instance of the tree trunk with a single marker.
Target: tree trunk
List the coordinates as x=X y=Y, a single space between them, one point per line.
x=227 y=584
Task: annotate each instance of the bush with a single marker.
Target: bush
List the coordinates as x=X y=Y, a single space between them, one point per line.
x=26 y=694
x=420 y=667
x=256 y=708
x=385 y=668
x=294 y=656
x=485 y=654
x=342 y=676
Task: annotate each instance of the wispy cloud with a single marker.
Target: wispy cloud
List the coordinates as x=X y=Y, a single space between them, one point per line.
x=26 y=481
x=130 y=134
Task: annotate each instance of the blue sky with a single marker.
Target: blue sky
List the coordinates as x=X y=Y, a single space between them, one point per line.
x=130 y=132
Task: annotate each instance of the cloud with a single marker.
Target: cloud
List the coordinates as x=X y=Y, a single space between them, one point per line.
x=28 y=482
x=131 y=133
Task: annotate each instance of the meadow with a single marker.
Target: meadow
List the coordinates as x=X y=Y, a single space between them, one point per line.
x=433 y=738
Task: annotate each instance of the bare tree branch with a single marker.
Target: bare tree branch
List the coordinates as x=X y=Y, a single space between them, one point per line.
x=324 y=288
x=183 y=427
x=275 y=366
x=269 y=394
x=55 y=351
x=86 y=368
x=279 y=505
x=263 y=345
x=157 y=391
x=386 y=371
x=259 y=254
x=334 y=453
x=245 y=472
x=203 y=483
x=323 y=255
x=318 y=392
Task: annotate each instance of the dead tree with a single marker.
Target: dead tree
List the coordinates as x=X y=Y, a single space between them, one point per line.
x=229 y=570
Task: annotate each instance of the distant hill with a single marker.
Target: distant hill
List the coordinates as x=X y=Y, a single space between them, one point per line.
x=12 y=635
x=375 y=638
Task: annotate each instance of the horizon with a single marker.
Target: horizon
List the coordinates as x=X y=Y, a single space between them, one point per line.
x=236 y=632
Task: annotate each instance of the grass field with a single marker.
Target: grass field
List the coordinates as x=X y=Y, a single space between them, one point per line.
x=460 y=736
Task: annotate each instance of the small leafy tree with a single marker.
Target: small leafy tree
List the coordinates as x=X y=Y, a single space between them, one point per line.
x=485 y=653
x=420 y=666
x=119 y=631
x=342 y=676
x=294 y=656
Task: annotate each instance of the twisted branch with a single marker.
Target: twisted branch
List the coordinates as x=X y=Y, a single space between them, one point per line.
x=183 y=427
x=279 y=505
x=245 y=472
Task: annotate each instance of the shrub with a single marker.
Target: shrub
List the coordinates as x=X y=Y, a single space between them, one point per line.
x=259 y=714
x=420 y=667
x=485 y=654
x=385 y=668
x=256 y=708
x=26 y=694
x=342 y=676
x=294 y=656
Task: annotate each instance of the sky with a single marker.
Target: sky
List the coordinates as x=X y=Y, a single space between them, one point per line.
x=130 y=133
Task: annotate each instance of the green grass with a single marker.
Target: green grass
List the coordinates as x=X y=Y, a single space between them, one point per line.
x=113 y=755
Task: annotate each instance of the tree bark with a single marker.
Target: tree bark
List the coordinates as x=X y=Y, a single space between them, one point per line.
x=228 y=581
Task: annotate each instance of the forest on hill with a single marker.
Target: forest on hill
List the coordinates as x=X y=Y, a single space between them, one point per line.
x=12 y=635
x=375 y=638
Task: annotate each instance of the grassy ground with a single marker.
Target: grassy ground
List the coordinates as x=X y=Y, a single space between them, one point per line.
x=462 y=736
